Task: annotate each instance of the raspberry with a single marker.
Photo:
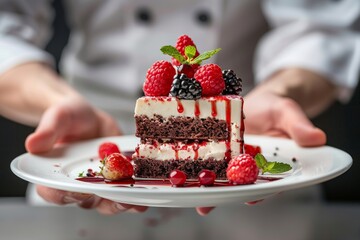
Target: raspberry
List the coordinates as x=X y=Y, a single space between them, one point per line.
x=117 y=167
x=158 y=79
x=107 y=148
x=252 y=150
x=185 y=88
x=242 y=170
x=181 y=43
x=188 y=70
x=211 y=79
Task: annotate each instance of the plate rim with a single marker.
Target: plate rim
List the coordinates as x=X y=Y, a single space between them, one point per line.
x=270 y=187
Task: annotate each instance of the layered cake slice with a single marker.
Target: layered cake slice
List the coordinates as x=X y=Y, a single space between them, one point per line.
x=188 y=135
x=190 y=118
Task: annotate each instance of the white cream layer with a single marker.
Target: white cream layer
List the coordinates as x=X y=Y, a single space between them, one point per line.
x=168 y=106
x=181 y=151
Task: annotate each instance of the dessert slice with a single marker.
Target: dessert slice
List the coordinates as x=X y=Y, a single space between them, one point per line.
x=191 y=117
x=188 y=135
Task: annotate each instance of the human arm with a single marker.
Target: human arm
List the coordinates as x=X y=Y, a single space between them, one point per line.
x=33 y=94
x=42 y=98
x=318 y=36
x=282 y=105
x=309 y=59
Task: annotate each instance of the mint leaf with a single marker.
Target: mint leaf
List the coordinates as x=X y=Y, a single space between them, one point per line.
x=81 y=174
x=260 y=161
x=271 y=167
x=204 y=56
x=190 y=51
x=268 y=167
x=173 y=52
x=279 y=167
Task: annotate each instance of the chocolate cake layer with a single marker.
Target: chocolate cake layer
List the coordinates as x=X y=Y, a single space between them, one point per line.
x=181 y=128
x=149 y=168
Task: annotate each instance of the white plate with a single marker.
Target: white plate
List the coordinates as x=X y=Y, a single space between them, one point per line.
x=60 y=168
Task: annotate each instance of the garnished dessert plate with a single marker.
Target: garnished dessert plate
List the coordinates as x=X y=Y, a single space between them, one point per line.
x=61 y=167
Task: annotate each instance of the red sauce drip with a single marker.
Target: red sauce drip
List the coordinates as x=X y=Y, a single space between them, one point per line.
x=129 y=182
x=176 y=149
x=196 y=149
x=228 y=122
x=242 y=128
x=91 y=179
x=213 y=108
x=197 y=109
x=155 y=143
x=176 y=154
x=228 y=151
x=180 y=107
x=137 y=150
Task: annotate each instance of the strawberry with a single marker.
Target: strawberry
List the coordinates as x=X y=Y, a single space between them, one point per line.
x=117 y=167
x=107 y=148
x=211 y=79
x=159 y=78
x=242 y=169
x=252 y=149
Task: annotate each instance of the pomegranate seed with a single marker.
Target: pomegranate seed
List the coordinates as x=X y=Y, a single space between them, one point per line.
x=177 y=178
x=207 y=177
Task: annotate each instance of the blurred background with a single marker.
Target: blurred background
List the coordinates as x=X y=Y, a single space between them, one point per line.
x=340 y=122
x=13 y=135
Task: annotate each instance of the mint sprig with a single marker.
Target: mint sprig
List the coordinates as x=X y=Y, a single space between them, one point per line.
x=204 y=56
x=271 y=167
x=190 y=52
x=173 y=52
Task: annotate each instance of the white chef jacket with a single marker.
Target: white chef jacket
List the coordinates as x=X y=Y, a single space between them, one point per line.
x=113 y=42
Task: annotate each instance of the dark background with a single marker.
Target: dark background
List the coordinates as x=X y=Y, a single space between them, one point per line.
x=340 y=122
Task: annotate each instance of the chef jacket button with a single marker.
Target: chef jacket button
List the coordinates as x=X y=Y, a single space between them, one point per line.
x=203 y=17
x=144 y=15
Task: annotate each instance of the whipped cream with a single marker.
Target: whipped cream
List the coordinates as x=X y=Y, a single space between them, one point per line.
x=182 y=151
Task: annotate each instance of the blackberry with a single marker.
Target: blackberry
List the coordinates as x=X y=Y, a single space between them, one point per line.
x=233 y=84
x=185 y=88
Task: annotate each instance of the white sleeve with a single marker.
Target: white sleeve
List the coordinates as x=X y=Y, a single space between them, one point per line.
x=318 y=35
x=24 y=31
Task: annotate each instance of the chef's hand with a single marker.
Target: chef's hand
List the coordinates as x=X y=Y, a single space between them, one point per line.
x=33 y=94
x=74 y=119
x=282 y=105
